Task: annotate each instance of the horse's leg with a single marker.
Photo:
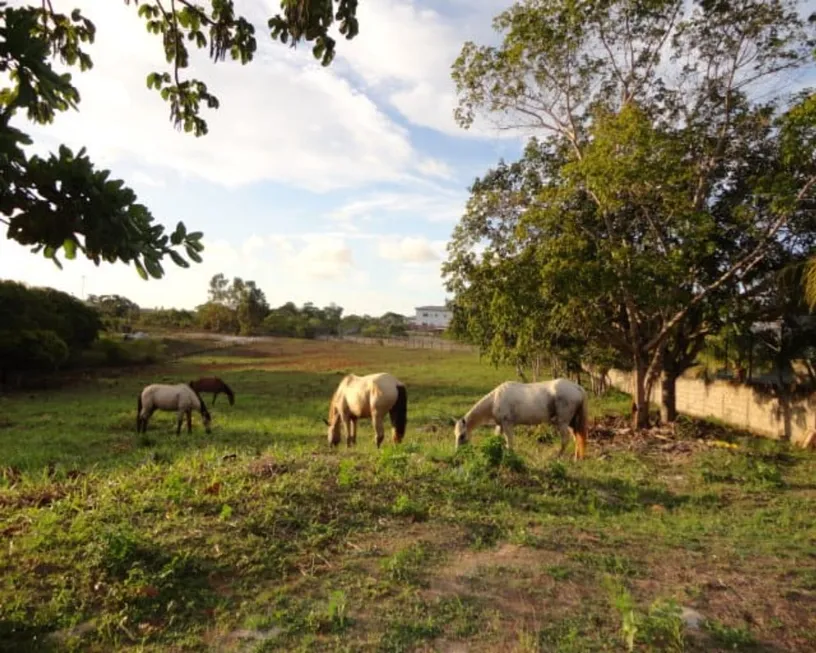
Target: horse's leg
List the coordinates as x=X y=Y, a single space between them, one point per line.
x=506 y=429
x=565 y=437
x=145 y=416
x=189 y=420
x=348 y=424
x=379 y=427
x=179 y=420
x=354 y=430
x=215 y=394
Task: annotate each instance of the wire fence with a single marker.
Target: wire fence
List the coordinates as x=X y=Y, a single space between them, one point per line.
x=410 y=341
x=407 y=342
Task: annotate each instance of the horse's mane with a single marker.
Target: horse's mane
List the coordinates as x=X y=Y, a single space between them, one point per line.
x=332 y=403
x=480 y=405
x=478 y=409
x=336 y=395
x=204 y=410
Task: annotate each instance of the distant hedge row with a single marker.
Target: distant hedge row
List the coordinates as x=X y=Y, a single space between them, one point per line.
x=42 y=328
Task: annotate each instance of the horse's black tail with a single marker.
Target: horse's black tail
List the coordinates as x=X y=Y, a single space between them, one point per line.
x=230 y=394
x=138 y=412
x=399 y=413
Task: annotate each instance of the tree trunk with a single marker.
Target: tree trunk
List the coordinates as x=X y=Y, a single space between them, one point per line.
x=668 y=400
x=640 y=408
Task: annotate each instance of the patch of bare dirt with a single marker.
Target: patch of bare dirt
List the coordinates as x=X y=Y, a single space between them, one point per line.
x=267 y=467
x=740 y=593
x=484 y=575
x=242 y=639
x=396 y=536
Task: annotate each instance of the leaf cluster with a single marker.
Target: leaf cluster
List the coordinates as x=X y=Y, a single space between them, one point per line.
x=62 y=202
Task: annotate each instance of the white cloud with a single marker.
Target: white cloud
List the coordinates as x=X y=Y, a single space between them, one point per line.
x=253 y=246
x=408 y=250
x=140 y=177
x=282 y=117
x=323 y=258
x=428 y=282
x=435 y=168
x=439 y=206
x=405 y=52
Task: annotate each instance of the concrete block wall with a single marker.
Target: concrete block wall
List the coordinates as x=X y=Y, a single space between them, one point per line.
x=738 y=405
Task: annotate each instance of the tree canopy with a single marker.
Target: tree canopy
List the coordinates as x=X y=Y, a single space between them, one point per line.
x=665 y=184
x=62 y=204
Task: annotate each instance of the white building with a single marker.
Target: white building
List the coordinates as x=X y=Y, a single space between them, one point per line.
x=434 y=317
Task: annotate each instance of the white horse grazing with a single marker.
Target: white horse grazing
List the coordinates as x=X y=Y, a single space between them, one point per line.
x=560 y=402
x=370 y=396
x=180 y=398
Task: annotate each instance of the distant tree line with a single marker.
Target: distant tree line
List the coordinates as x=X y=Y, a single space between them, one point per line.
x=240 y=307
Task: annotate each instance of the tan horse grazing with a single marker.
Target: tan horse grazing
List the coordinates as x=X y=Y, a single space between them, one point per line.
x=180 y=398
x=215 y=385
x=370 y=396
x=559 y=402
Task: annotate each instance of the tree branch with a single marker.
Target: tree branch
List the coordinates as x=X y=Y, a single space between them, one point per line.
x=719 y=147
x=742 y=266
x=615 y=68
x=201 y=13
x=173 y=22
x=653 y=59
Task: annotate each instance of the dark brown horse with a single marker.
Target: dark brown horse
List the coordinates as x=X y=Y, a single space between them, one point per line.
x=215 y=385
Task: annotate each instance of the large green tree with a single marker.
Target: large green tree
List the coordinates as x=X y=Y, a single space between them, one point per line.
x=672 y=186
x=62 y=203
x=244 y=299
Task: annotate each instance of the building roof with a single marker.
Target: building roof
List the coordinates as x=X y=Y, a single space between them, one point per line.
x=432 y=308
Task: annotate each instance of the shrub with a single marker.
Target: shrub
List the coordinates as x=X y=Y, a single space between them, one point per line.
x=31 y=349
x=46 y=309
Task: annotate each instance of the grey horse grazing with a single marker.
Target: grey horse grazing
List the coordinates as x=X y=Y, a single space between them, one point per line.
x=180 y=398
x=560 y=402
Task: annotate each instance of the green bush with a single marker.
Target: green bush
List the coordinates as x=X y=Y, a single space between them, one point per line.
x=32 y=349
x=46 y=309
x=120 y=353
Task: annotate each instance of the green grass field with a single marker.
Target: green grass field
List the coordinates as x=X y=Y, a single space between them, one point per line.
x=260 y=538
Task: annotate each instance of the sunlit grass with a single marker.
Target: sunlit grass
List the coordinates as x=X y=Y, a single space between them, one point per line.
x=260 y=531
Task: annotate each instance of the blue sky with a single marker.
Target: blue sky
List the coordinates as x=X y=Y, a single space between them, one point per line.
x=322 y=184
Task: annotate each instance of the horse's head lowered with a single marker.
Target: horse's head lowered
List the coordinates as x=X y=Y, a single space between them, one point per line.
x=206 y=418
x=460 y=432
x=205 y=414
x=333 y=424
